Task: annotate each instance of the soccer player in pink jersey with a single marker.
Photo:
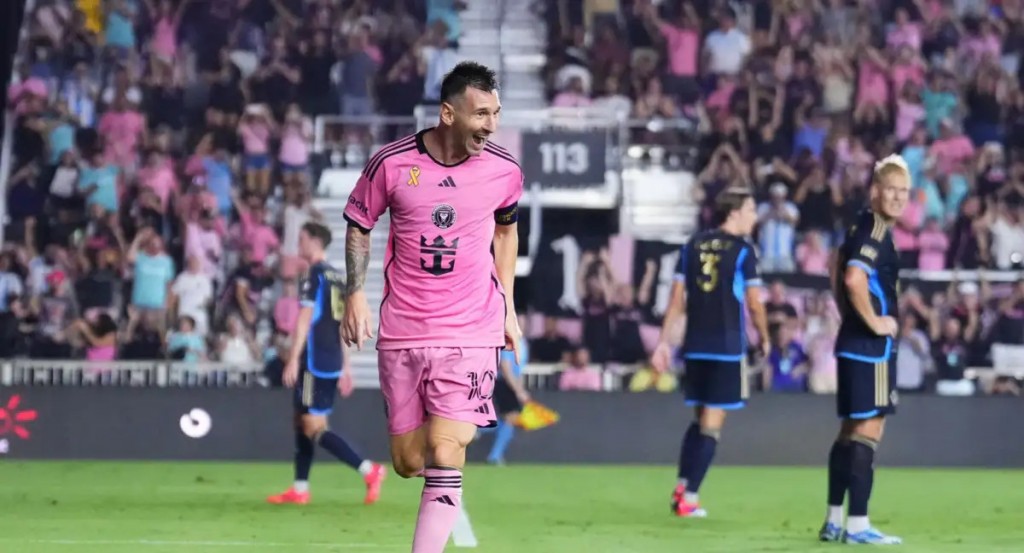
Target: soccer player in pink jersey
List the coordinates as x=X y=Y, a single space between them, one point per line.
x=447 y=308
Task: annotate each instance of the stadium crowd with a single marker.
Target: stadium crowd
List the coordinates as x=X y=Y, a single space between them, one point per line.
x=162 y=164
x=797 y=99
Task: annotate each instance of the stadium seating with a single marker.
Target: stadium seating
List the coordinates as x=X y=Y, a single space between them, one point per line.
x=657 y=136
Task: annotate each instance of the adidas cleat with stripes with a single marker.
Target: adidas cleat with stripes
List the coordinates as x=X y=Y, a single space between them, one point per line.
x=870 y=536
x=830 y=532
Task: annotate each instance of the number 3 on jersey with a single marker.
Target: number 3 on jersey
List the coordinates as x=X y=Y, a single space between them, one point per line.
x=337 y=304
x=709 y=268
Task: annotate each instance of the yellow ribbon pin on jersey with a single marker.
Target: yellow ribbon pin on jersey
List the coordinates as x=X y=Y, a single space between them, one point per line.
x=414 y=176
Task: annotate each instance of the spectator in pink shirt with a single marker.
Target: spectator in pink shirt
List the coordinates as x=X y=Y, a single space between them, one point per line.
x=286 y=309
x=872 y=81
x=573 y=96
x=905 y=33
x=904 y=232
x=580 y=374
x=203 y=242
x=721 y=96
x=123 y=130
x=952 y=151
x=159 y=177
x=164 y=44
x=933 y=243
x=909 y=111
x=296 y=137
x=982 y=43
x=812 y=255
x=255 y=130
x=28 y=96
x=254 y=233
x=907 y=68
x=682 y=39
x=196 y=201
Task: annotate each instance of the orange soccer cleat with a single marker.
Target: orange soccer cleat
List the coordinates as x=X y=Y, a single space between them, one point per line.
x=289 y=496
x=373 y=480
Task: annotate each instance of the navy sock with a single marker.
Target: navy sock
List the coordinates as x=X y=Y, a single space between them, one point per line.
x=303 y=456
x=688 y=450
x=862 y=474
x=707 y=442
x=838 y=472
x=340 y=449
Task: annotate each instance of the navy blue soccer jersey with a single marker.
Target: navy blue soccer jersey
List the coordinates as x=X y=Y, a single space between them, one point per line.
x=869 y=246
x=716 y=268
x=322 y=290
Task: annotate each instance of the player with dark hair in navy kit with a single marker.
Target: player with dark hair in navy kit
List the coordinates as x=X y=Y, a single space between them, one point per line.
x=716 y=284
x=314 y=367
x=865 y=278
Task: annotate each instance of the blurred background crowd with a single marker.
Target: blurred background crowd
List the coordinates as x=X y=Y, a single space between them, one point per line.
x=798 y=99
x=164 y=163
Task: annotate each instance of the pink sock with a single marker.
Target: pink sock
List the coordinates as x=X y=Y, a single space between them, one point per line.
x=439 y=509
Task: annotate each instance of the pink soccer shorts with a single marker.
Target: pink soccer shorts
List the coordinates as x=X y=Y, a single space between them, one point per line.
x=452 y=383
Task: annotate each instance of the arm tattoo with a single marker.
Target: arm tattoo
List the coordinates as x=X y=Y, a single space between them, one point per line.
x=357 y=258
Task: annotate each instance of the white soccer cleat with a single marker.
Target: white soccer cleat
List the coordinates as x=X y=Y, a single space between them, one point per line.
x=870 y=536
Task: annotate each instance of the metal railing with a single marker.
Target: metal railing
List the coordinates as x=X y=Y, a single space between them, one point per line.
x=629 y=140
x=62 y=372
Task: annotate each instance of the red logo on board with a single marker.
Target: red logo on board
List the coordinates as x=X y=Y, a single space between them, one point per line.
x=13 y=418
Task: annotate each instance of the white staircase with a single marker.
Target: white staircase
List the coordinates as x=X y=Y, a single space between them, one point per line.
x=513 y=43
x=364 y=363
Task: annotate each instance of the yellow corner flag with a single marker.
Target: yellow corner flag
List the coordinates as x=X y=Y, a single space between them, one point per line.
x=536 y=416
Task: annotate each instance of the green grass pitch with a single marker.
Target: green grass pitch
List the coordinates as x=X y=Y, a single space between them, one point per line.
x=107 y=507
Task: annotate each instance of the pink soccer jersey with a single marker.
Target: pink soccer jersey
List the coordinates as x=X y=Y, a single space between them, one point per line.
x=441 y=287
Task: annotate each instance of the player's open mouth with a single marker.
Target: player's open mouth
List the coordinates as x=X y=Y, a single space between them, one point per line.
x=479 y=139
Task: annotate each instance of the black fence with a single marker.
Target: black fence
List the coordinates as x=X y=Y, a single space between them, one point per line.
x=254 y=424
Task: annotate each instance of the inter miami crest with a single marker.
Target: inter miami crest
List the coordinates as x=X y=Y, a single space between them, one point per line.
x=443 y=216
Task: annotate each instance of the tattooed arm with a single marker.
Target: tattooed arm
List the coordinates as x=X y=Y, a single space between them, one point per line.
x=358 y=325
x=357 y=257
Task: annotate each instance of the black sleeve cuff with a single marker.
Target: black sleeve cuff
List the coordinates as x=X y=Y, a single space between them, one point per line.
x=352 y=223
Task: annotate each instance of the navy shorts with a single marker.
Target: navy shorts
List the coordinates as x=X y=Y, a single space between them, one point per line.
x=289 y=168
x=315 y=395
x=257 y=162
x=720 y=384
x=867 y=389
x=505 y=400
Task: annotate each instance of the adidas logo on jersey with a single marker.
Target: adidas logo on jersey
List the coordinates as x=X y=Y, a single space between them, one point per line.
x=446 y=183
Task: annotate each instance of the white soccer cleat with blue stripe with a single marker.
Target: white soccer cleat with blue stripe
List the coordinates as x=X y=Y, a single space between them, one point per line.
x=870 y=536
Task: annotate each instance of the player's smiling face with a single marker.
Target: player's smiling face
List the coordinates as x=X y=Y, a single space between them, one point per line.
x=893 y=193
x=475 y=118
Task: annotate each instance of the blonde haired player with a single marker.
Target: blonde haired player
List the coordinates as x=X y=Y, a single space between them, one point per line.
x=865 y=275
